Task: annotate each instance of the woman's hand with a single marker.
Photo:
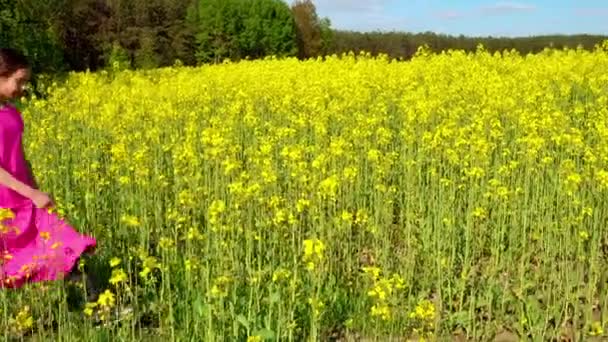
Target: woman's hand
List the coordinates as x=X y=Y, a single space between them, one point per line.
x=41 y=199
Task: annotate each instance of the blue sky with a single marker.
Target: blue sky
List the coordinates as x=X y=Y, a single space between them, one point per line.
x=469 y=17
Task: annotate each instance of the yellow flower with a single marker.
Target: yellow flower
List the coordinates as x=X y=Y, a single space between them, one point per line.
x=398 y=282
x=302 y=204
x=372 y=270
x=280 y=274
x=480 y=212
x=216 y=208
x=346 y=216
x=89 y=308
x=149 y=264
x=23 y=321
x=114 y=262
x=118 y=276
x=383 y=311
x=596 y=329
x=350 y=173
x=130 y=220
x=313 y=248
x=425 y=310
x=373 y=155
x=601 y=176
x=313 y=253
x=317 y=306
x=574 y=179
x=194 y=234
x=106 y=299
x=220 y=287
x=328 y=187
x=166 y=243
x=587 y=211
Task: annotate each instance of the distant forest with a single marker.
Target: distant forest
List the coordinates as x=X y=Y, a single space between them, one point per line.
x=63 y=35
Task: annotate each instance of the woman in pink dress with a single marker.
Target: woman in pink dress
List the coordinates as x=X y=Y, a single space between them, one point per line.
x=35 y=244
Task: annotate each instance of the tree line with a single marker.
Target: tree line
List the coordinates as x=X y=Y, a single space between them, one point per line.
x=404 y=45
x=61 y=35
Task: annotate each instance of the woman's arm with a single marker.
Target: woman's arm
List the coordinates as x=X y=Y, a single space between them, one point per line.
x=14 y=184
x=39 y=198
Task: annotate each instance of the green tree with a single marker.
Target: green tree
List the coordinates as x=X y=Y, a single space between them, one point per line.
x=81 y=25
x=217 y=26
x=327 y=36
x=28 y=25
x=146 y=56
x=175 y=38
x=237 y=29
x=118 y=58
x=268 y=29
x=403 y=45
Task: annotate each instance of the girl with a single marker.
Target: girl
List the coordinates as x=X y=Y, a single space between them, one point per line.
x=35 y=244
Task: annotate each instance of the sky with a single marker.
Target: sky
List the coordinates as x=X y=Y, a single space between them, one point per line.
x=469 y=17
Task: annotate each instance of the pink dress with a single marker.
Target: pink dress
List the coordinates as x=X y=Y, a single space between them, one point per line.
x=35 y=245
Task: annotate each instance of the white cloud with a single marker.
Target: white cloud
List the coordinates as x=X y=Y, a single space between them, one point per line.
x=499 y=8
x=450 y=14
x=507 y=7
x=358 y=6
x=361 y=15
x=592 y=12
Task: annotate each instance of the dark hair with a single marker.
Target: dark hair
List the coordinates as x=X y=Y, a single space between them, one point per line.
x=12 y=60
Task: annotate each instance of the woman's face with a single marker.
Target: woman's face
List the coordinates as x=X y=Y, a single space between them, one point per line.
x=13 y=86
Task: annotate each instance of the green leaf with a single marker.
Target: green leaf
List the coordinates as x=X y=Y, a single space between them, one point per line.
x=200 y=308
x=460 y=318
x=274 y=297
x=266 y=334
x=243 y=320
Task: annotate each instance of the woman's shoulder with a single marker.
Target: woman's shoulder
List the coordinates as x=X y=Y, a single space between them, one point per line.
x=7 y=107
x=10 y=115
